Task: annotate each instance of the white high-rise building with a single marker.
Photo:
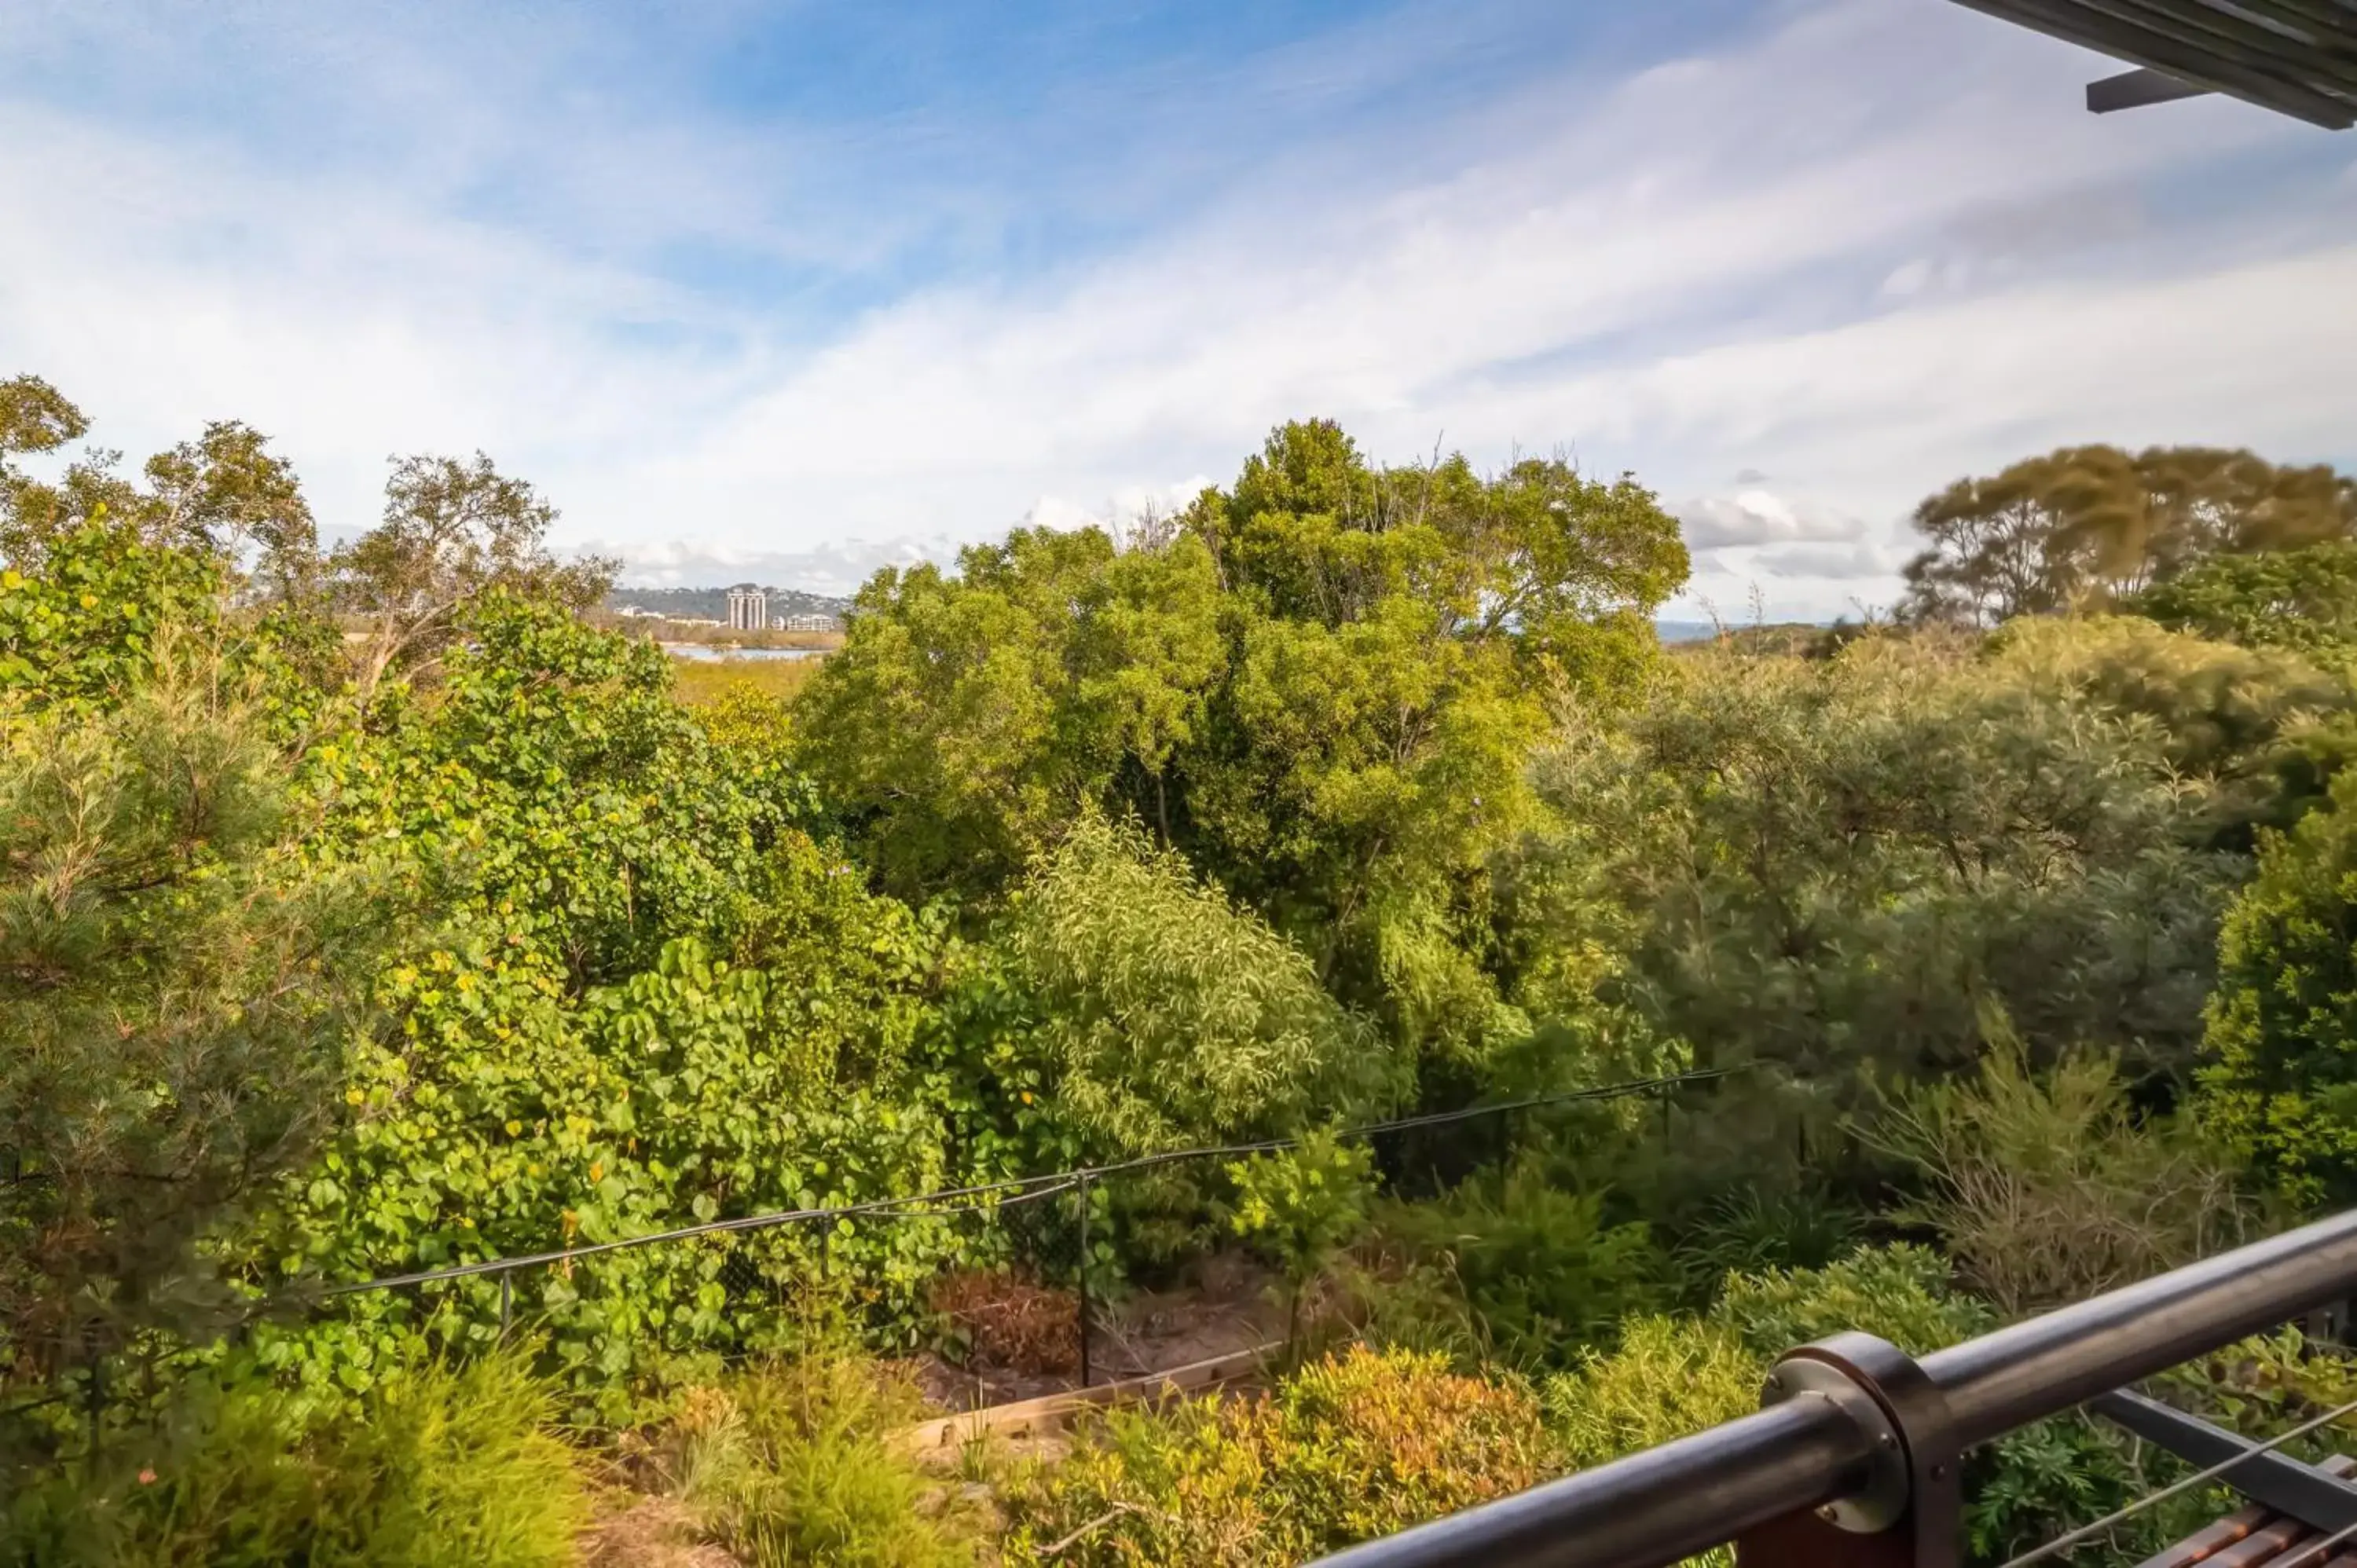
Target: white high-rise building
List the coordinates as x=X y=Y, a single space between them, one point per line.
x=749 y=609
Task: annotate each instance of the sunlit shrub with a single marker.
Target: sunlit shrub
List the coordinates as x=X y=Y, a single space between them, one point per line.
x=788 y=1465
x=1358 y=1445
x=438 y=1465
x=1902 y=1294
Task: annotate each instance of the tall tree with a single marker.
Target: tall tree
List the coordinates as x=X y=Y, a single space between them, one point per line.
x=1321 y=686
x=2087 y=526
x=175 y=991
x=454 y=529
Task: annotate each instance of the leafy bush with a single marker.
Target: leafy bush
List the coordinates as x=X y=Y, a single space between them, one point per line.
x=441 y=1465
x=1301 y=1207
x=2049 y=1189
x=788 y=1465
x=1666 y=1378
x=1361 y=1444
x=1172 y=1015
x=2283 y=1023
x=652 y=998
x=177 y=988
x=1902 y=1294
x=1805 y=1228
x=1543 y=1271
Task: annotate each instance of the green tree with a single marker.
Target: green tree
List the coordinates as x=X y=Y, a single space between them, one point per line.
x=454 y=530
x=2303 y=599
x=225 y=494
x=1171 y=1016
x=1837 y=862
x=1320 y=687
x=176 y=990
x=2282 y=1083
x=2090 y=525
x=967 y=718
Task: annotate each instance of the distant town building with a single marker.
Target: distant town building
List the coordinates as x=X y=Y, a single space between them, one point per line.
x=804 y=623
x=749 y=609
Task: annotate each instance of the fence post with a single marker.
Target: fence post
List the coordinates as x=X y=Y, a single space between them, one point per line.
x=507 y=1285
x=97 y=1409
x=1086 y=1371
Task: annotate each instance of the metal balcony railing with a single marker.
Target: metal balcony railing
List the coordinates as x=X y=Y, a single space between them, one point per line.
x=1855 y=1457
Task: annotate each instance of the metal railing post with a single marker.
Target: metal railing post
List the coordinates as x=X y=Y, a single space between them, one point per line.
x=1854 y=1407
x=1086 y=1371
x=1908 y=1510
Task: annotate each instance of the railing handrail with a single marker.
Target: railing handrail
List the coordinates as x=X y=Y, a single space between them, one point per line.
x=1654 y=1508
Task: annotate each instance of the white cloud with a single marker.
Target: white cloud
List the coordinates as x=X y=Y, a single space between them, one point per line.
x=1862 y=559
x=1756 y=517
x=836 y=570
x=1681 y=273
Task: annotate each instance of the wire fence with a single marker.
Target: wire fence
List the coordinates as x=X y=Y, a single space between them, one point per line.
x=779 y=1281
x=780 y=1264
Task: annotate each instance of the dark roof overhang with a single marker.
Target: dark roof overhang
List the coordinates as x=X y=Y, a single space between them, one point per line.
x=2296 y=57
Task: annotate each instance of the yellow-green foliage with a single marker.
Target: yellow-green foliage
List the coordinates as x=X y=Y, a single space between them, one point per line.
x=1358 y=1445
x=436 y=1467
x=1901 y=1293
x=1177 y=1015
x=1668 y=1378
x=701 y=682
x=788 y=1465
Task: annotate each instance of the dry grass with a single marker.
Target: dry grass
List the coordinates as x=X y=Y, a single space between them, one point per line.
x=701 y=682
x=1010 y=1322
x=2049 y=1189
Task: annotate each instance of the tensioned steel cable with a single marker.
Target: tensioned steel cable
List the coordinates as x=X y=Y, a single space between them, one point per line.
x=1057 y=1181
x=2065 y=1543
x=887 y=1207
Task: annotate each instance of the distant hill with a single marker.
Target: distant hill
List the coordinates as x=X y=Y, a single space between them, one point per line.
x=711 y=604
x=1675 y=631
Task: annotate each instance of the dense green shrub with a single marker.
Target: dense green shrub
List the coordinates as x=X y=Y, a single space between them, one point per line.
x=441 y=1465
x=1902 y=1294
x=2048 y=1188
x=1665 y=1379
x=1358 y=1445
x=1170 y=1015
x=1545 y=1274
x=1758 y=1228
x=2283 y=1023
x=177 y=988
x=1837 y=863
x=652 y=997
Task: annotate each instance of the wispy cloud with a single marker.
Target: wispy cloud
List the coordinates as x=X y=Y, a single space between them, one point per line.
x=1857 y=245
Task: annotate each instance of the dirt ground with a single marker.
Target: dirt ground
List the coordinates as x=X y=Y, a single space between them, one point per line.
x=1226 y=1306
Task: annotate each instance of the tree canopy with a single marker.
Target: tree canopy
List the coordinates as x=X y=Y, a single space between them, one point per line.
x=2088 y=526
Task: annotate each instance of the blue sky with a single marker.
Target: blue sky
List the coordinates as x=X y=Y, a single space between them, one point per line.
x=783 y=290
